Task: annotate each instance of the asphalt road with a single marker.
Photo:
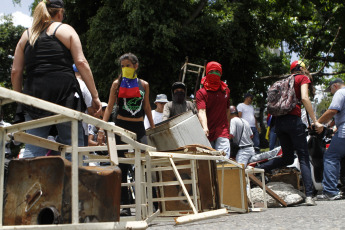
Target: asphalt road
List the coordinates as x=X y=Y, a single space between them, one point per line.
x=326 y=215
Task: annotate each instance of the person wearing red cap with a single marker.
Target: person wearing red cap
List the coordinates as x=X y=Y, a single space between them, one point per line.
x=213 y=102
x=291 y=130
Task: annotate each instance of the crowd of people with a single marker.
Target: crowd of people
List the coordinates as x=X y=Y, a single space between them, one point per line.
x=51 y=55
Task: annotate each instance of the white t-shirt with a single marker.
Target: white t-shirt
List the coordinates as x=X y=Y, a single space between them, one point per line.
x=236 y=127
x=88 y=101
x=156 y=116
x=247 y=113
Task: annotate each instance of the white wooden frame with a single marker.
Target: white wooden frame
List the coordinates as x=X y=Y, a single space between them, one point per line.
x=171 y=157
x=64 y=115
x=186 y=69
x=262 y=174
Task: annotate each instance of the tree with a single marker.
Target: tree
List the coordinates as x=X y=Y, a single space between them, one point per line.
x=9 y=36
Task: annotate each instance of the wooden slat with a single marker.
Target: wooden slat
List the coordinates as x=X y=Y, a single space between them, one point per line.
x=38 y=141
x=52 y=120
x=112 y=148
x=5 y=101
x=269 y=191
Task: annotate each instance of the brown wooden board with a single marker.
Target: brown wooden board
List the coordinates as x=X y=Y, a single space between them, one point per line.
x=269 y=191
x=291 y=177
x=37 y=184
x=232 y=193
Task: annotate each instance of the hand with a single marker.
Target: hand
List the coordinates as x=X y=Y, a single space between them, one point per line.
x=100 y=137
x=97 y=106
x=206 y=131
x=319 y=127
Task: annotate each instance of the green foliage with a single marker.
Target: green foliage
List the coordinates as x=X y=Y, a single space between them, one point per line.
x=323 y=105
x=238 y=34
x=9 y=36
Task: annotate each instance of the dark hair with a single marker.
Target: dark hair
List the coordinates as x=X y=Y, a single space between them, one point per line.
x=129 y=56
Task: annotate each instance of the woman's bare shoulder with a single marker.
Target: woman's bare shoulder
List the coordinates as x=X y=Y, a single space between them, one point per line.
x=145 y=83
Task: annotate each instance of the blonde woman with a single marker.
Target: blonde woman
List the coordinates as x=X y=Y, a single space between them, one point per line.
x=46 y=52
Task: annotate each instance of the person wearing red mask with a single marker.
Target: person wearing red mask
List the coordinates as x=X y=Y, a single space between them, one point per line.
x=213 y=103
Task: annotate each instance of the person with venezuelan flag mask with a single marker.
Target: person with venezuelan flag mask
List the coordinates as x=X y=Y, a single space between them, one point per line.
x=131 y=94
x=213 y=104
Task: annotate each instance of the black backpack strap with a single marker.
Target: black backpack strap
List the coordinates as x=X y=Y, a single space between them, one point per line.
x=239 y=141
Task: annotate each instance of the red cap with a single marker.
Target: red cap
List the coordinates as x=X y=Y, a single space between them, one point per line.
x=296 y=64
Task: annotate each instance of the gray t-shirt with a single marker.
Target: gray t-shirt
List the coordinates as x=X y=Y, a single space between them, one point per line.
x=338 y=103
x=236 y=126
x=172 y=109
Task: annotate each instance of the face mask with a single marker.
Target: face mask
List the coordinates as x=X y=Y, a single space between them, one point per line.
x=212 y=82
x=179 y=97
x=128 y=72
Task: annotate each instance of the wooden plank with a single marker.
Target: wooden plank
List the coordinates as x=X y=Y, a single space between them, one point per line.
x=193 y=157
x=84 y=226
x=112 y=150
x=5 y=101
x=38 y=141
x=269 y=191
x=51 y=120
x=200 y=216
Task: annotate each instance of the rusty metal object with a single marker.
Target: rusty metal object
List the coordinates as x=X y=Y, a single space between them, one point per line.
x=38 y=191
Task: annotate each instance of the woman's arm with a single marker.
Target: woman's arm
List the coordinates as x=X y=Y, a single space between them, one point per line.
x=69 y=37
x=18 y=64
x=147 y=106
x=91 y=142
x=307 y=104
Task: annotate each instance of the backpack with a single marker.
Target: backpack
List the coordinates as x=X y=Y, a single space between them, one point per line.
x=281 y=97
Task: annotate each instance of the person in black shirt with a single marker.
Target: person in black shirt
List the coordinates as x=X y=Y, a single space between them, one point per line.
x=47 y=51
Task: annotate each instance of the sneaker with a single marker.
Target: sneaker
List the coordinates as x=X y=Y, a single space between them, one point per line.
x=322 y=197
x=125 y=212
x=309 y=201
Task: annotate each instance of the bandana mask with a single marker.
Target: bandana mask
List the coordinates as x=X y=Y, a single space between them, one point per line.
x=129 y=87
x=179 y=97
x=212 y=82
x=129 y=73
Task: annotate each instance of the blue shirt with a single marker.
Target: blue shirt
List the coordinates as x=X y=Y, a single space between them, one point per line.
x=338 y=103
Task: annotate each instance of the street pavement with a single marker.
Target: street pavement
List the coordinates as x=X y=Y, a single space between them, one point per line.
x=326 y=215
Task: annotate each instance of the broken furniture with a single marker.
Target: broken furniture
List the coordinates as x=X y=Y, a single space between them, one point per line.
x=232 y=186
x=68 y=115
x=189 y=196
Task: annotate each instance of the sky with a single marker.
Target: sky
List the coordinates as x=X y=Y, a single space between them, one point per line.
x=21 y=13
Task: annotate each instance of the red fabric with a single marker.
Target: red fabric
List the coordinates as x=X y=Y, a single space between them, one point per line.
x=214 y=66
x=299 y=81
x=216 y=104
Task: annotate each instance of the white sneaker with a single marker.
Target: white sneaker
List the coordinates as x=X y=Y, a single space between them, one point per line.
x=309 y=201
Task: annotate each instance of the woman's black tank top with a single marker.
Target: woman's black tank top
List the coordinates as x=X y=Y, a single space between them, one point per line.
x=50 y=75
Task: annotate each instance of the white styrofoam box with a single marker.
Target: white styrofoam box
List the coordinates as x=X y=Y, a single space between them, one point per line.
x=176 y=132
